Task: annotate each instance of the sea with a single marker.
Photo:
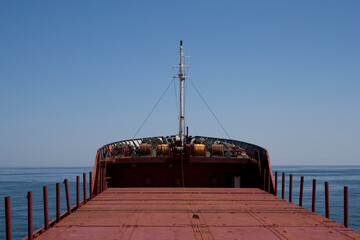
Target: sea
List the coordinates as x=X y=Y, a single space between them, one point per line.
x=16 y=182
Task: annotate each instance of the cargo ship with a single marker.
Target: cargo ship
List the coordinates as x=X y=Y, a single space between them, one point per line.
x=182 y=187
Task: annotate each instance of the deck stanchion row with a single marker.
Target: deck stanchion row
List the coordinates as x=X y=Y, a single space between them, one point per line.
x=46 y=208
x=346 y=206
x=84 y=186
x=276 y=180
x=290 y=187
x=67 y=196
x=8 y=218
x=313 y=195
x=283 y=186
x=77 y=191
x=301 y=191
x=30 y=216
x=266 y=185
x=58 y=202
x=327 y=207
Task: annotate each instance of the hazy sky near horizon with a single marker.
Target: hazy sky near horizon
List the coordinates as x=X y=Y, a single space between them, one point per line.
x=76 y=75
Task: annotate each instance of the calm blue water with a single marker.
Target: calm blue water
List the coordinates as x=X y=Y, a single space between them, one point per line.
x=15 y=182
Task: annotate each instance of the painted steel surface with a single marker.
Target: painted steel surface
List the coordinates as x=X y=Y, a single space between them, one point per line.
x=194 y=213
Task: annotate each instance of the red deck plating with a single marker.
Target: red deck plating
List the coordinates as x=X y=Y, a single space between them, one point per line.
x=195 y=213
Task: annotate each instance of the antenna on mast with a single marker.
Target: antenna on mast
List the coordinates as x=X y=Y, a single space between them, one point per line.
x=182 y=76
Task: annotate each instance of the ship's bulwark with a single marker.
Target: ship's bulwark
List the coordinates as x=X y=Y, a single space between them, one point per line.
x=160 y=162
x=194 y=213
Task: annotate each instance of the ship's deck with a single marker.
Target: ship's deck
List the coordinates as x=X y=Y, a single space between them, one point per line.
x=194 y=213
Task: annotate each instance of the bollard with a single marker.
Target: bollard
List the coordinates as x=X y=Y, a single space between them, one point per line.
x=67 y=196
x=301 y=191
x=90 y=187
x=346 y=206
x=283 y=186
x=8 y=218
x=77 y=191
x=313 y=195
x=290 y=187
x=84 y=186
x=264 y=178
x=57 y=202
x=276 y=179
x=327 y=207
x=30 y=216
x=46 y=208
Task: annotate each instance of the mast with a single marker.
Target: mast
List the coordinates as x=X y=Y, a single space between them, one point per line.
x=182 y=76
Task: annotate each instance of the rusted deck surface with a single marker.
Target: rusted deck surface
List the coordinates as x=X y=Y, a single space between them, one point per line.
x=196 y=213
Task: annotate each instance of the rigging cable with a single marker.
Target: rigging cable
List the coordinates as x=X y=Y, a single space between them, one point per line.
x=153 y=109
x=187 y=201
x=207 y=105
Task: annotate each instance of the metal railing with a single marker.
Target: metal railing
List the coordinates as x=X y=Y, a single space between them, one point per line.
x=49 y=224
x=301 y=191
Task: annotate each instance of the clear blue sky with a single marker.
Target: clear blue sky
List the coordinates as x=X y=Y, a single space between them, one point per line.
x=76 y=75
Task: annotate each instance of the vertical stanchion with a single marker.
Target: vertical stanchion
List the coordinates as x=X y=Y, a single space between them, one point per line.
x=290 y=187
x=57 y=202
x=301 y=191
x=8 y=218
x=346 y=206
x=77 y=191
x=327 y=207
x=276 y=180
x=264 y=178
x=90 y=187
x=283 y=186
x=313 y=195
x=67 y=196
x=30 y=216
x=268 y=181
x=46 y=208
x=84 y=186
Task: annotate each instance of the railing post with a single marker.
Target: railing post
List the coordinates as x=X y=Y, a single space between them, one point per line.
x=30 y=216
x=46 y=208
x=8 y=218
x=301 y=191
x=90 y=187
x=290 y=187
x=283 y=186
x=313 y=195
x=77 y=191
x=84 y=186
x=58 y=202
x=327 y=207
x=346 y=206
x=67 y=196
x=276 y=180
